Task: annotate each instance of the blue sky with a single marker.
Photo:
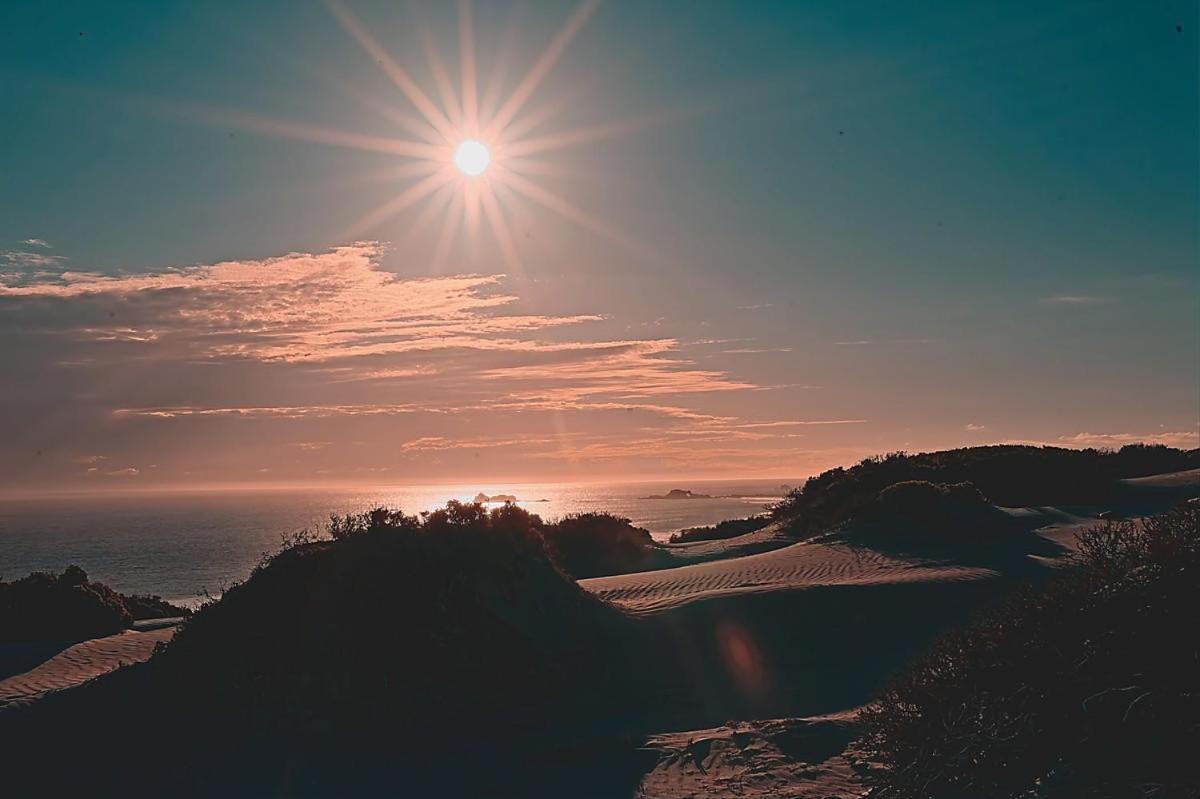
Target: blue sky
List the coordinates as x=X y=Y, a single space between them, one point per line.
x=935 y=224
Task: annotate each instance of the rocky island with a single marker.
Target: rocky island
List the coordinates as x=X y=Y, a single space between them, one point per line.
x=483 y=498
x=679 y=493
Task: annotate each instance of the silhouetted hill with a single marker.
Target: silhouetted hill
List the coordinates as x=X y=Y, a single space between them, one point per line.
x=447 y=651
x=385 y=627
x=1008 y=475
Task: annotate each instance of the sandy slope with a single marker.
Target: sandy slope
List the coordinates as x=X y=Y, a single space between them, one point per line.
x=797 y=758
x=807 y=757
x=799 y=566
x=770 y=537
x=1188 y=479
x=80 y=663
x=812 y=564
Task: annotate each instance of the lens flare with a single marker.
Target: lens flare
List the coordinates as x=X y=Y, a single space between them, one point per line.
x=472 y=158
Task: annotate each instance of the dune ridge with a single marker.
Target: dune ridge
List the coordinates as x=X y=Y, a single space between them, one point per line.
x=84 y=661
x=796 y=567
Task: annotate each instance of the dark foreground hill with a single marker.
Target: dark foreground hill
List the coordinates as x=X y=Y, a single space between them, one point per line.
x=1087 y=687
x=446 y=654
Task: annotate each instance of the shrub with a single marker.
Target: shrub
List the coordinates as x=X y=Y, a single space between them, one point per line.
x=1087 y=686
x=400 y=623
x=47 y=606
x=150 y=606
x=730 y=528
x=373 y=520
x=921 y=499
x=597 y=544
x=60 y=607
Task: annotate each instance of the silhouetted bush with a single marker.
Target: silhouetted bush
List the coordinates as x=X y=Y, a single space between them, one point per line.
x=598 y=544
x=149 y=606
x=59 y=607
x=47 y=606
x=372 y=520
x=402 y=623
x=921 y=497
x=730 y=528
x=1142 y=460
x=1014 y=476
x=935 y=507
x=1087 y=686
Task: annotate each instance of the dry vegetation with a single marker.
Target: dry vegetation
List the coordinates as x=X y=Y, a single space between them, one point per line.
x=1088 y=686
x=730 y=528
x=69 y=607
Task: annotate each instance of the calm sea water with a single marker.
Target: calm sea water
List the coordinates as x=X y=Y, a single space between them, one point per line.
x=179 y=545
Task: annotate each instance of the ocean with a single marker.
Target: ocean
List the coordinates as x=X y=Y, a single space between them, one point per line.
x=180 y=545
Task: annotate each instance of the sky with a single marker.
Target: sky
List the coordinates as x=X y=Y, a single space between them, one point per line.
x=714 y=239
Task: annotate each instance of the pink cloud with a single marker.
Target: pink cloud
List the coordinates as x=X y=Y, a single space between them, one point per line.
x=304 y=349
x=298 y=307
x=1183 y=439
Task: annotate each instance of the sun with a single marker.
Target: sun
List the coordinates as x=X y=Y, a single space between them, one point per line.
x=475 y=131
x=472 y=157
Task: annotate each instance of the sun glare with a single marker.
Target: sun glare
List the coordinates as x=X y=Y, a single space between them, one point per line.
x=472 y=158
x=469 y=134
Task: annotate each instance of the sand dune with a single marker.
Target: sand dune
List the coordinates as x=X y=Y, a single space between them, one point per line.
x=826 y=563
x=800 y=758
x=80 y=663
x=1187 y=479
x=799 y=566
x=721 y=570
x=770 y=537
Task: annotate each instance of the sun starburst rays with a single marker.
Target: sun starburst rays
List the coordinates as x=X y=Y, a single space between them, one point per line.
x=468 y=151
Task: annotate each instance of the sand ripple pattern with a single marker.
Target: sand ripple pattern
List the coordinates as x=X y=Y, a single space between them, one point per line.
x=799 y=566
x=79 y=663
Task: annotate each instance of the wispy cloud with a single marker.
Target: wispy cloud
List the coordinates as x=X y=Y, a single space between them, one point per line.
x=37 y=243
x=625 y=369
x=805 y=423
x=441 y=443
x=1077 y=299
x=865 y=341
x=975 y=428
x=23 y=259
x=299 y=307
x=284 y=355
x=274 y=411
x=128 y=471
x=755 y=350
x=1183 y=439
